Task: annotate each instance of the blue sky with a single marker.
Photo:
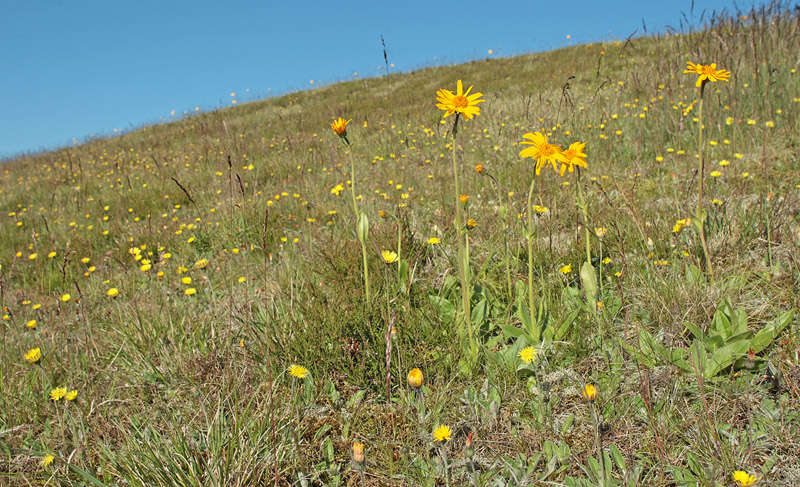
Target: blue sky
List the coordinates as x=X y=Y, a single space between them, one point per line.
x=75 y=68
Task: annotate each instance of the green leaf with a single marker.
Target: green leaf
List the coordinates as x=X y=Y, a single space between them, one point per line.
x=589 y=283
x=447 y=311
x=771 y=331
x=362 y=228
x=355 y=399
x=479 y=313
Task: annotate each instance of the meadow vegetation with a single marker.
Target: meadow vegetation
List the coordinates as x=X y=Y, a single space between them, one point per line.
x=186 y=304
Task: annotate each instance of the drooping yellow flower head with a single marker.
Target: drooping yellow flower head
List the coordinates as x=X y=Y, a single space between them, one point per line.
x=528 y=354
x=441 y=433
x=34 y=355
x=573 y=156
x=707 y=73
x=744 y=479
x=339 y=126
x=389 y=257
x=459 y=102
x=415 y=378
x=589 y=392
x=298 y=371
x=542 y=151
x=358 y=452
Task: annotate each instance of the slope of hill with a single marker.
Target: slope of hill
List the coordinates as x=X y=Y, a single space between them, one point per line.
x=174 y=278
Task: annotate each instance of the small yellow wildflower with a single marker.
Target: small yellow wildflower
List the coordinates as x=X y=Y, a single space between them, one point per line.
x=528 y=354
x=33 y=356
x=589 y=392
x=190 y=291
x=298 y=371
x=441 y=433
x=389 y=257
x=57 y=393
x=434 y=241
x=459 y=102
x=47 y=460
x=744 y=479
x=71 y=395
x=566 y=269
x=113 y=292
x=415 y=378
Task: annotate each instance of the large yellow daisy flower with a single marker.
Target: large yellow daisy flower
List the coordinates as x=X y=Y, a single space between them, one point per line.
x=574 y=157
x=709 y=72
x=544 y=152
x=459 y=102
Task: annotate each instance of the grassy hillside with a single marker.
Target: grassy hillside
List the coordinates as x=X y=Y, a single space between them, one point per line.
x=172 y=276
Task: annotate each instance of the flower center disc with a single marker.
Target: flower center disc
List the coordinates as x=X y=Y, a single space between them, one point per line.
x=460 y=102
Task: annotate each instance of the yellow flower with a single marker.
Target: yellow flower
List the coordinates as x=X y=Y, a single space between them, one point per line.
x=34 y=355
x=31 y=324
x=716 y=174
x=744 y=479
x=463 y=198
x=539 y=209
x=459 y=102
x=415 y=378
x=51 y=255
x=574 y=157
x=58 y=393
x=113 y=292
x=471 y=223
x=32 y=256
x=434 y=241
x=707 y=73
x=65 y=297
x=186 y=280
x=190 y=291
x=589 y=392
x=600 y=232
x=565 y=269
x=47 y=460
x=298 y=371
x=528 y=354
x=543 y=152
x=389 y=257
x=441 y=433
x=339 y=126
x=201 y=264
x=71 y=395
x=358 y=452
x=479 y=168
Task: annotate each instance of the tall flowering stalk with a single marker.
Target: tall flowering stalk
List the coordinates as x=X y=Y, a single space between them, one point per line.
x=339 y=127
x=545 y=154
x=461 y=103
x=704 y=75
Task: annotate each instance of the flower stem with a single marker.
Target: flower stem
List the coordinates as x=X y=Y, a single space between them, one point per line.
x=534 y=330
x=462 y=256
x=358 y=215
x=702 y=168
x=585 y=213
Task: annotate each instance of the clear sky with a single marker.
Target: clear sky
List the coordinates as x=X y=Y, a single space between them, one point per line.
x=73 y=68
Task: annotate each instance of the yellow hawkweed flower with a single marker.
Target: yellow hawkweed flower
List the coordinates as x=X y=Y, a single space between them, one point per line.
x=539 y=209
x=33 y=356
x=201 y=264
x=298 y=371
x=389 y=257
x=707 y=73
x=574 y=157
x=186 y=280
x=415 y=378
x=744 y=479
x=589 y=392
x=600 y=232
x=71 y=395
x=567 y=269
x=47 y=460
x=441 y=433
x=65 y=297
x=339 y=126
x=471 y=223
x=528 y=354
x=32 y=256
x=31 y=324
x=459 y=102
x=113 y=292
x=58 y=393
x=479 y=168
x=191 y=291
x=434 y=241
x=463 y=198
x=542 y=151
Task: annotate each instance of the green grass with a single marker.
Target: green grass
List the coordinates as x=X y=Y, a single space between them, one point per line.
x=194 y=390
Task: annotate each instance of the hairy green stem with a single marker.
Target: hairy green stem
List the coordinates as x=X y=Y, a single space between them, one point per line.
x=534 y=331
x=462 y=262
